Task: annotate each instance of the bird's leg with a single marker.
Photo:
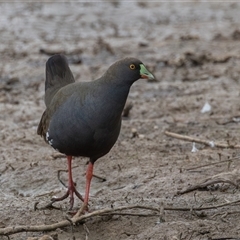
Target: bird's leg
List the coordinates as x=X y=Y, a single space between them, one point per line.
x=89 y=175
x=71 y=187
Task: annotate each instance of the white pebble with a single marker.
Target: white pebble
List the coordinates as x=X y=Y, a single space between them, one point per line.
x=194 y=149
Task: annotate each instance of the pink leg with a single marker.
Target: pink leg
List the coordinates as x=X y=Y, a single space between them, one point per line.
x=89 y=175
x=71 y=187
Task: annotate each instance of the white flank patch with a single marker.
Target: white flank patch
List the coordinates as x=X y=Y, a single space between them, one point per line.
x=51 y=142
x=47 y=138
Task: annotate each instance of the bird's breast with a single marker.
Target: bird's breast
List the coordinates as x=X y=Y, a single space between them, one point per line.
x=84 y=128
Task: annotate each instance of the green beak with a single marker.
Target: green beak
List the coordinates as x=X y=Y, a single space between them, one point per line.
x=145 y=73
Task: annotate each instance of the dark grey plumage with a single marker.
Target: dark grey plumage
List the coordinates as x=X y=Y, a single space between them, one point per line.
x=84 y=119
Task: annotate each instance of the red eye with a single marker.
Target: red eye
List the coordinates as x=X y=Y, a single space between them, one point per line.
x=132 y=66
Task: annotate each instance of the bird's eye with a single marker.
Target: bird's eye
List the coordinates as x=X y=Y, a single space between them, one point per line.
x=132 y=66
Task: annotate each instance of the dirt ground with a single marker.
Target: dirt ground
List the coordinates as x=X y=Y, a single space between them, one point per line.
x=194 y=51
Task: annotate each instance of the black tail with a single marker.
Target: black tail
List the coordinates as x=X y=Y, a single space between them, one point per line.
x=58 y=75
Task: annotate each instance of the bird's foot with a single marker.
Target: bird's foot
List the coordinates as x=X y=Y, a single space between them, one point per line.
x=58 y=199
x=70 y=192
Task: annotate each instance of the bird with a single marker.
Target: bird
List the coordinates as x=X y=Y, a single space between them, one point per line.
x=84 y=118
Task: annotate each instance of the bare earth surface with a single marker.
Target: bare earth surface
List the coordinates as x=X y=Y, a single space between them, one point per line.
x=194 y=51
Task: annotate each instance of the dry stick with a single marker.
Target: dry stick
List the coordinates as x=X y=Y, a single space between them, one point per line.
x=103 y=179
x=64 y=223
x=225 y=214
x=197 y=140
x=205 y=184
x=132 y=214
x=208 y=143
x=215 y=163
x=40 y=228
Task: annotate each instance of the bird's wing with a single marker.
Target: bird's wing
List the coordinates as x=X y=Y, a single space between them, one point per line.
x=42 y=126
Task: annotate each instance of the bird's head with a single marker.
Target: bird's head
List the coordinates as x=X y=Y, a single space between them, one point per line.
x=128 y=70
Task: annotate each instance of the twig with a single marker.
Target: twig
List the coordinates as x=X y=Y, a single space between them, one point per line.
x=59 y=177
x=132 y=214
x=86 y=231
x=226 y=177
x=39 y=228
x=225 y=238
x=204 y=185
x=197 y=140
x=103 y=179
x=79 y=212
x=224 y=214
x=75 y=219
x=215 y=163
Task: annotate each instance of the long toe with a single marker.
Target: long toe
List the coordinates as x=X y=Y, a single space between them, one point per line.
x=57 y=199
x=79 y=195
x=73 y=191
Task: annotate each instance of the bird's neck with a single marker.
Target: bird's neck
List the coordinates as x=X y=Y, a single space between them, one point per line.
x=116 y=94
